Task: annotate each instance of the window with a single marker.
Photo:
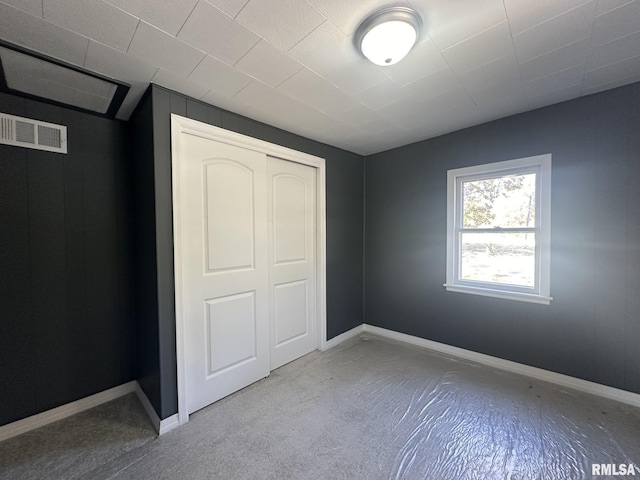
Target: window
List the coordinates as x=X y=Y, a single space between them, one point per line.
x=498 y=229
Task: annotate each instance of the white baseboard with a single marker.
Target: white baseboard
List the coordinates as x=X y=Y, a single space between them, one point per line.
x=45 y=418
x=64 y=411
x=533 y=372
x=337 y=340
x=161 y=426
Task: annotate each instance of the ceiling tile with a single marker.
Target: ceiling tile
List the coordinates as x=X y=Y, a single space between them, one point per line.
x=505 y=69
x=32 y=7
x=281 y=22
x=230 y=7
x=616 y=24
x=619 y=82
x=179 y=84
x=231 y=40
x=95 y=19
x=325 y=49
x=558 y=96
x=422 y=61
x=218 y=76
x=434 y=85
x=268 y=64
x=55 y=91
x=340 y=130
x=450 y=22
x=612 y=72
x=115 y=64
x=222 y=101
x=564 y=57
x=363 y=117
x=90 y=102
x=605 y=6
x=557 y=81
x=613 y=52
x=34 y=33
x=348 y=15
x=167 y=16
x=307 y=87
x=483 y=48
x=501 y=100
x=356 y=77
x=524 y=15
x=570 y=27
x=72 y=79
x=458 y=118
x=163 y=50
x=276 y=104
x=382 y=94
x=409 y=111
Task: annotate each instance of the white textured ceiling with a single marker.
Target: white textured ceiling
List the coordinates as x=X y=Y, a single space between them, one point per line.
x=292 y=64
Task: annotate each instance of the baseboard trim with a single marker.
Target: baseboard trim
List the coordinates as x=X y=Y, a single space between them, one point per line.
x=45 y=418
x=526 y=370
x=343 y=337
x=161 y=426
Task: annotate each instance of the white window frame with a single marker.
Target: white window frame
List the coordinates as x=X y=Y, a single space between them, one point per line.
x=540 y=293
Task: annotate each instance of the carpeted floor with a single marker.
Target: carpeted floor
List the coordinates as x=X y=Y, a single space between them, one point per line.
x=77 y=445
x=367 y=409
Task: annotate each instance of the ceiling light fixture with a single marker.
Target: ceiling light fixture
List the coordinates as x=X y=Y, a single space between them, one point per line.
x=386 y=36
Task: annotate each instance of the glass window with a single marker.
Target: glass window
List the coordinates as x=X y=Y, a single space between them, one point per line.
x=498 y=229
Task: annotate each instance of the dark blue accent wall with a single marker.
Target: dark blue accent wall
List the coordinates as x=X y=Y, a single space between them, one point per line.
x=66 y=264
x=591 y=330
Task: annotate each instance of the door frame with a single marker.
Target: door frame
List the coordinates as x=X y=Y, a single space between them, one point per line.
x=181 y=125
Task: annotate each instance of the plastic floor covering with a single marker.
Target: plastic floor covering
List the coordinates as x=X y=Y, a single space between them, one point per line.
x=374 y=409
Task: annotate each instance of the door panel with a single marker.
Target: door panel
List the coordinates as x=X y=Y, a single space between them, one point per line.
x=229 y=229
x=230 y=343
x=225 y=269
x=290 y=307
x=292 y=274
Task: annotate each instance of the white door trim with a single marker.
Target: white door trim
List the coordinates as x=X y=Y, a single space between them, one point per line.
x=181 y=125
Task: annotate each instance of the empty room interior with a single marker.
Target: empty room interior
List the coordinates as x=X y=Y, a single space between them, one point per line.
x=273 y=239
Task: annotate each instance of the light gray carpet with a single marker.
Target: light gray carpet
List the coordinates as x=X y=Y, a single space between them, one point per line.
x=78 y=444
x=373 y=409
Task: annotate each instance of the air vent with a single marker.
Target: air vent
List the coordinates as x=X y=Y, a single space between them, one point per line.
x=24 y=132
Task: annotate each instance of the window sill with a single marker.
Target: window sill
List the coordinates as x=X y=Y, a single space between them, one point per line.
x=487 y=292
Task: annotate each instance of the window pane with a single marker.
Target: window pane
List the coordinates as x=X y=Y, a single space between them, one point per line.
x=507 y=258
x=507 y=202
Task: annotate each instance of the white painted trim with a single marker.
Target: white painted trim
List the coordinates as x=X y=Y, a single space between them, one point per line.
x=559 y=379
x=169 y=423
x=45 y=418
x=487 y=292
x=343 y=337
x=541 y=293
x=148 y=408
x=187 y=126
x=160 y=426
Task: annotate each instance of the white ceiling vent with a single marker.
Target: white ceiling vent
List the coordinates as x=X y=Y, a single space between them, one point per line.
x=24 y=132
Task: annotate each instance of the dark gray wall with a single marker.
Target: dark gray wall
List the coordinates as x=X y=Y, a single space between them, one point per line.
x=140 y=134
x=345 y=196
x=591 y=330
x=66 y=288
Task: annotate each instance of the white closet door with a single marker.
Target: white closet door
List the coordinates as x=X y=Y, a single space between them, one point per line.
x=225 y=270
x=291 y=195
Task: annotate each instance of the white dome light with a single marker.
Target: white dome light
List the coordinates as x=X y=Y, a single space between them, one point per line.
x=388 y=35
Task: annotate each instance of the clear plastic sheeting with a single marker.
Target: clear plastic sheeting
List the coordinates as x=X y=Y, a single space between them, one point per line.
x=460 y=420
x=372 y=409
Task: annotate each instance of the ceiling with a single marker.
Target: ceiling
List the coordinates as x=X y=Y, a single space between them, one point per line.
x=292 y=63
